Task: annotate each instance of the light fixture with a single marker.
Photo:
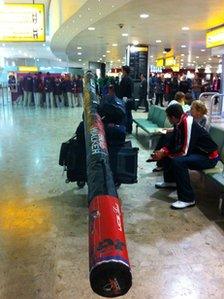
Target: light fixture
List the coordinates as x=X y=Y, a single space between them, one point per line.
x=79 y=48
x=108 y=51
x=114 y=45
x=144 y=16
x=80 y=59
x=124 y=34
x=202 y=50
x=183 y=46
x=135 y=42
x=151 y=56
x=158 y=41
x=197 y=57
x=182 y=54
x=185 y=28
x=209 y=59
x=104 y=55
x=44 y=45
x=80 y=16
x=79 y=53
x=91 y=28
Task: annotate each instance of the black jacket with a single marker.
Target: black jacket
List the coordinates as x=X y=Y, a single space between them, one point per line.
x=126 y=87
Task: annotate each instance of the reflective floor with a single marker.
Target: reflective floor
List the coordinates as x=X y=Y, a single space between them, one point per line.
x=43 y=221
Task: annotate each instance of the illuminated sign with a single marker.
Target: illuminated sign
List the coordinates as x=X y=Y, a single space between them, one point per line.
x=160 y=62
x=22 y=23
x=176 y=68
x=215 y=37
x=170 y=61
x=28 y=69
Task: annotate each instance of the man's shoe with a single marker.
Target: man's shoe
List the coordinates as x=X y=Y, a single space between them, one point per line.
x=157 y=169
x=165 y=185
x=178 y=205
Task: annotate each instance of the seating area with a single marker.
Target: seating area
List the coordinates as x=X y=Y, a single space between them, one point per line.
x=217 y=173
x=155 y=122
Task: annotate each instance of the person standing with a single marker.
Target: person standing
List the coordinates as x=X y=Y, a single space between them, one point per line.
x=184 y=85
x=79 y=90
x=37 y=89
x=49 y=88
x=58 y=93
x=196 y=87
x=28 y=89
x=143 y=93
x=126 y=89
x=69 y=88
x=159 y=86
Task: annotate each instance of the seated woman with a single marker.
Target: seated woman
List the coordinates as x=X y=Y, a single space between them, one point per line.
x=199 y=111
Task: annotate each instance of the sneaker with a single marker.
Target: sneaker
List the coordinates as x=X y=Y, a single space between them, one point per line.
x=182 y=204
x=157 y=169
x=165 y=185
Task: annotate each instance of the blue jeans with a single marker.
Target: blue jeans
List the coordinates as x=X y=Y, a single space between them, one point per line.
x=176 y=170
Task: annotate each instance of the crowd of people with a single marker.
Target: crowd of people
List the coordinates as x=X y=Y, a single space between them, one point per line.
x=48 y=90
x=162 y=88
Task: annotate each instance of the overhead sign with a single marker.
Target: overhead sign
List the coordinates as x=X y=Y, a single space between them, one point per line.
x=176 y=68
x=170 y=61
x=28 y=69
x=160 y=62
x=215 y=37
x=22 y=23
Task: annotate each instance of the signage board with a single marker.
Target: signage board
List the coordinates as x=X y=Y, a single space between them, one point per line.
x=22 y=23
x=215 y=37
x=160 y=62
x=28 y=69
x=170 y=61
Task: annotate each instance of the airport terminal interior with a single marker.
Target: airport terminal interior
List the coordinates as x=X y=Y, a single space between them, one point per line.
x=48 y=232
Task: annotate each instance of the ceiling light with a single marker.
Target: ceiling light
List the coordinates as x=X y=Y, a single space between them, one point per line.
x=164 y=52
x=124 y=34
x=114 y=45
x=80 y=59
x=158 y=41
x=44 y=45
x=104 y=55
x=202 y=50
x=84 y=64
x=3 y=45
x=98 y=60
x=80 y=16
x=108 y=51
x=79 y=48
x=88 y=9
x=118 y=60
x=197 y=57
x=79 y=53
x=91 y=28
x=59 y=59
x=144 y=16
x=135 y=42
x=151 y=56
x=38 y=59
x=100 y=13
x=91 y=20
x=218 y=56
x=182 y=54
x=185 y=28
x=183 y=46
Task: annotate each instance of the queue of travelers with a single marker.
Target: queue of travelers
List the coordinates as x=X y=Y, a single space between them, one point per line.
x=49 y=91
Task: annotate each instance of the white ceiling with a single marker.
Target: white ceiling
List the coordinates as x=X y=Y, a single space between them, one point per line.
x=166 y=18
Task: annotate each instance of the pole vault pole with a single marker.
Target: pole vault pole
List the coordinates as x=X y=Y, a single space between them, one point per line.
x=110 y=274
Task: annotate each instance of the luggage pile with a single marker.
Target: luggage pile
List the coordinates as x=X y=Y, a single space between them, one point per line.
x=123 y=157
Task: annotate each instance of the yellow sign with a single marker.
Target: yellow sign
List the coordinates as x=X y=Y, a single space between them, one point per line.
x=28 y=69
x=22 y=23
x=176 y=68
x=170 y=61
x=215 y=37
x=160 y=62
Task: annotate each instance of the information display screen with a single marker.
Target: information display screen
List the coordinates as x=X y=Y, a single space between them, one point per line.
x=138 y=61
x=22 y=23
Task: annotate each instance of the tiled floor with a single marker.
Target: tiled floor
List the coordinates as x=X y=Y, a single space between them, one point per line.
x=43 y=221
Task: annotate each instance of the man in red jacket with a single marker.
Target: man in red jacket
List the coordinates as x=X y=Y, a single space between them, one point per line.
x=190 y=147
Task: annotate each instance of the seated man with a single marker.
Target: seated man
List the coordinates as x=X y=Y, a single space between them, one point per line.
x=190 y=147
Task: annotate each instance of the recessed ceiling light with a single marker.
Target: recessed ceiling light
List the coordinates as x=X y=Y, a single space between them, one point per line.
x=114 y=45
x=218 y=56
x=91 y=28
x=80 y=59
x=84 y=64
x=185 y=28
x=100 y=13
x=80 y=16
x=98 y=60
x=164 y=52
x=38 y=59
x=135 y=42
x=88 y=9
x=197 y=57
x=209 y=59
x=112 y=6
x=108 y=51
x=124 y=34
x=44 y=45
x=181 y=60
x=118 y=60
x=79 y=53
x=79 y=48
x=104 y=55
x=182 y=54
x=158 y=41
x=101 y=59
x=151 y=56
x=183 y=46
x=144 y=16
x=202 y=50
x=3 y=45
